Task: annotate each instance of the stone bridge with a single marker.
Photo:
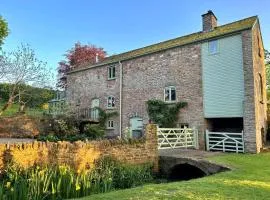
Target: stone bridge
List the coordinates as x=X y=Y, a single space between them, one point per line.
x=185 y=164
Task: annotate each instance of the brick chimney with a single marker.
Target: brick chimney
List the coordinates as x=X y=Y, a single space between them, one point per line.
x=209 y=21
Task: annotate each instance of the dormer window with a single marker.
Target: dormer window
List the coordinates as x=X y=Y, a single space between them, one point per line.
x=111 y=72
x=213 y=47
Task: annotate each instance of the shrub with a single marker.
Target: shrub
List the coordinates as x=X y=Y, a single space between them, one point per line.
x=94 y=131
x=164 y=114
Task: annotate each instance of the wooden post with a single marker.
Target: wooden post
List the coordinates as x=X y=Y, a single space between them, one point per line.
x=207 y=140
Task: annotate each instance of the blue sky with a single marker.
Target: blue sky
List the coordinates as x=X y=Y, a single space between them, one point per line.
x=53 y=26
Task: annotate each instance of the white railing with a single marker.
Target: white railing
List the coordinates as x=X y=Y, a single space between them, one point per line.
x=171 y=138
x=224 y=141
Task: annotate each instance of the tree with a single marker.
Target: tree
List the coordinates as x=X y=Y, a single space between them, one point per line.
x=267 y=65
x=3 y=30
x=22 y=68
x=77 y=57
x=267 y=56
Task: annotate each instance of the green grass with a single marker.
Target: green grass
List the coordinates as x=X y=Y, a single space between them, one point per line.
x=249 y=179
x=11 y=111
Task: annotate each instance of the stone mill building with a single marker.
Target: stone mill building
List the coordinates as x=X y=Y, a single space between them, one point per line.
x=219 y=71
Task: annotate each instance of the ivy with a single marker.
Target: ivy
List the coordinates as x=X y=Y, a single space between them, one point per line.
x=164 y=114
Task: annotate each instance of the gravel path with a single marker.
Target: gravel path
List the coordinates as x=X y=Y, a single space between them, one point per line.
x=15 y=140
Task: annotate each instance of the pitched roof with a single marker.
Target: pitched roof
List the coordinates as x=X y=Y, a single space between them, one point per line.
x=180 y=41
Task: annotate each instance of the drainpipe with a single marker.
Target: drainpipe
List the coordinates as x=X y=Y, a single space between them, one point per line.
x=120 y=97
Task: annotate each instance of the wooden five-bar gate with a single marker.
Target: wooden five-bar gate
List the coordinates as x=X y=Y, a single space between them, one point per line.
x=171 y=138
x=224 y=141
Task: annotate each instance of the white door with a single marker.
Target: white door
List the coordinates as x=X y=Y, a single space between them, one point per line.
x=94 y=111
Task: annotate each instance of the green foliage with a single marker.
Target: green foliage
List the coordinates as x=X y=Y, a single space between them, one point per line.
x=35 y=97
x=59 y=128
x=104 y=116
x=13 y=110
x=164 y=114
x=3 y=29
x=61 y=182
x=94 y=131
x=249 y=179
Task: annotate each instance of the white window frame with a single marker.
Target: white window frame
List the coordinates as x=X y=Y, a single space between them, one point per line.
x=209 y=47
x=170 y=94
x=110 y=124
x=110 y=72
x=108 y=99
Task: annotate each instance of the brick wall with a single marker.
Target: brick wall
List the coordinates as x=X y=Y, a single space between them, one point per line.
x=81 y=155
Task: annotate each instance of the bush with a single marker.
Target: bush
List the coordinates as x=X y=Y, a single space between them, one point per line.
x=94 y=131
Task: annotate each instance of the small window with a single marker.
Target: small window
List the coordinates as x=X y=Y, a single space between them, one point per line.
x=183 y=125
x=110 y=102
x=111 y=72
x=170 y=94
x=110 y=124
x=213 y=47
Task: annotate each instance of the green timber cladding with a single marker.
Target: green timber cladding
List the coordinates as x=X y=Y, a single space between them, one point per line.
x=223 y=78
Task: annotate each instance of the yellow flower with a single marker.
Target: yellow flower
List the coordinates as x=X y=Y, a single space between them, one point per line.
x=78 y=187
x=8 y=184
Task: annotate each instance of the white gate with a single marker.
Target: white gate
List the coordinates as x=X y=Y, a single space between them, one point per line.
x=171 y=138
x=223 y=141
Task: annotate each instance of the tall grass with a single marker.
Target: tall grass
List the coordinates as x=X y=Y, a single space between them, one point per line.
x=61 y=182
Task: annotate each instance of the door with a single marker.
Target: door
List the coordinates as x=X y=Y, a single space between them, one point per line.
x=136 y=126
x=94 y=110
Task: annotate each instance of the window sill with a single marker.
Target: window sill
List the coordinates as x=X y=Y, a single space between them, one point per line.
x=110 y=79
x=110 y=128
x=111 y=108
x=170 y=102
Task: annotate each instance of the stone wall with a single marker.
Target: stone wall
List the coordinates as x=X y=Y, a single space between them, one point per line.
x=260 y=95
x=19 y=126
x=255 y=115
x=145 y=78
x=82 y=155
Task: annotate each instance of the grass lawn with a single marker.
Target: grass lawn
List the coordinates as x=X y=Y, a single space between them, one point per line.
x=249 y=179
x=15 y=107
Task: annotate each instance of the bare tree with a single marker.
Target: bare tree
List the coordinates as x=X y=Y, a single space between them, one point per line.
x=21 y=67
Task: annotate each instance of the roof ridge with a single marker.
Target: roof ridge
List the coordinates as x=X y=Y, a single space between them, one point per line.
x=219 y=31
x=255 y=16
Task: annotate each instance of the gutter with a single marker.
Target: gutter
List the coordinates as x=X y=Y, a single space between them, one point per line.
x=120 y=97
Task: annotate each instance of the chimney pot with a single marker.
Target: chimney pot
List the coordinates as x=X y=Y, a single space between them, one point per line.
x=209 y=21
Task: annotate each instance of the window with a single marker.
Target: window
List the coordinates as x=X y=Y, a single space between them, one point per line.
x=110 y=102
x=111 y=72
x=182 y=125
x=213 y=47
x=110 y=124
x=170 y=94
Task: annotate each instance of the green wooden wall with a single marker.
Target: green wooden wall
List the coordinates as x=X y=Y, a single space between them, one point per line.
x=223 y=79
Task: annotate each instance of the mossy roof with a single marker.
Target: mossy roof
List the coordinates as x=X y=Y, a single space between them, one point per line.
x=180 y=41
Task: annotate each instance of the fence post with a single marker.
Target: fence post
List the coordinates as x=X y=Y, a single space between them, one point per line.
x=207 y=139
x=196 y=134
x=185 y=134
x=243 y=142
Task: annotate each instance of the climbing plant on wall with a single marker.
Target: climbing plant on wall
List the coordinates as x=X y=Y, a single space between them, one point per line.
x=164 y=114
